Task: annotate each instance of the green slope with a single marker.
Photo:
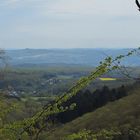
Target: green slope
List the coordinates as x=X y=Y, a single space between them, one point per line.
x=122 y=115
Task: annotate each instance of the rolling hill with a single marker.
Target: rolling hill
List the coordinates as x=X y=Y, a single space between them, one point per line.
x=84 y=57
x=121 y=117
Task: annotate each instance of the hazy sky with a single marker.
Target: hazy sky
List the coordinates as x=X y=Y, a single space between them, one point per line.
x=69 y=23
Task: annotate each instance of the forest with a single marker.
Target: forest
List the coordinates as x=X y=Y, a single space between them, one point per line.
x=39 y=104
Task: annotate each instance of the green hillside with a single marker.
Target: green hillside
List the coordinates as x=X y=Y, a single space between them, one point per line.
x=121 y=118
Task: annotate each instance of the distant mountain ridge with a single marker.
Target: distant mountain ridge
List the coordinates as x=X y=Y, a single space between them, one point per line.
x=88 y=57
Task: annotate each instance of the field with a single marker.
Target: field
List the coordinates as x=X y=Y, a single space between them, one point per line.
x=108 y=79
x=52 y=81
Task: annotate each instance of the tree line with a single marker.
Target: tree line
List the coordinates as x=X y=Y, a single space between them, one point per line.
x=87 y=101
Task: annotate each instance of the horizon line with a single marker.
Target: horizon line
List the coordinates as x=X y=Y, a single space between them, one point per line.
x=115 y=48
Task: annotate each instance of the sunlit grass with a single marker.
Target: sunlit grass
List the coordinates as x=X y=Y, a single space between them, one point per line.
x=108 y=79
